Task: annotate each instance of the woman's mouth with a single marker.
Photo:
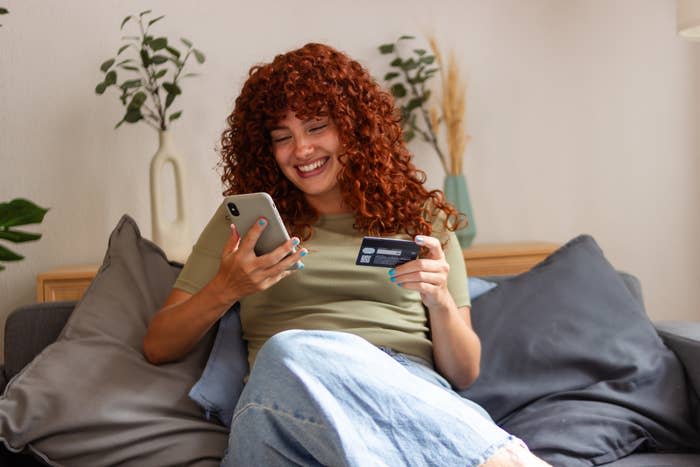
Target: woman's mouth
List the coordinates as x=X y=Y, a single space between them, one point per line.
x=313 y=168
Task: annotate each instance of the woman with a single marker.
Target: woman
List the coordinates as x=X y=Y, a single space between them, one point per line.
x=349 y=365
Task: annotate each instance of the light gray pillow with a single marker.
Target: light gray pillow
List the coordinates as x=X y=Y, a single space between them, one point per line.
x=91 y=399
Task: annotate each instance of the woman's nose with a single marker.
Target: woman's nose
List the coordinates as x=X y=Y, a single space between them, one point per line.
x=302 y=147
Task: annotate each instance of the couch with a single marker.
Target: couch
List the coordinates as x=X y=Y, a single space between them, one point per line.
x=650 y=412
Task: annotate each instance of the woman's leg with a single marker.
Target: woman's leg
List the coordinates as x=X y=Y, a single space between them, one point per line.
x=331 y=398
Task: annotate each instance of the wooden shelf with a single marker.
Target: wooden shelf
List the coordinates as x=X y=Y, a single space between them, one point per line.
x=65 y=283
x=501 y=259
x=496 y=259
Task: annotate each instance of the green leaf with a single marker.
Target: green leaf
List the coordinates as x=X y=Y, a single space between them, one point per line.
x=397 y=62
x=198 y=55
x=175 y=116
x=20 y=211
x=7 y=255
x=107 y=65
x=145 y=59
x=17 y=236
x=419 y=51
x=160 y=74
x=186 y=42
x=144 y=13
x=403 y=38
x=408 y=136
x=172 y=88
x=390 y=76
x=414 y=104
x=111 y=78
x=119 y=124
x=158 y=59
x=136 y=102
x=152 y=22
x=132 y=38
x=398 y=90
x=428 y=59
x=159 y=43
x=409 y=64
x=426 y=96
x=133 y=115
x=173 y=51
x=189 y=75
x=126 y=20
x=2 y=268
x=100 y=88
x=132 y=83
x=169 y=100
x=386 y=48
x=4 y=11
x=122 y=49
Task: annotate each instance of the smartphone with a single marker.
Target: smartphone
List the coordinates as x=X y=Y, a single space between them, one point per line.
x=244 y=210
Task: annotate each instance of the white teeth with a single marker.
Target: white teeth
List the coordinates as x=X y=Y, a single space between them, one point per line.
x=312 y=166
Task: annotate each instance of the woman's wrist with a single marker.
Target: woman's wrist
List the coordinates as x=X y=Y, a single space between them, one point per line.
x=221 y=293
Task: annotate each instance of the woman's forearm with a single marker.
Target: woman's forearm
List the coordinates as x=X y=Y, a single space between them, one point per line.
x=177 y=327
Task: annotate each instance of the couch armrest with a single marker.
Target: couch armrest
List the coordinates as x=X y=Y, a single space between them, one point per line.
x=683 y=337
x=29 y=329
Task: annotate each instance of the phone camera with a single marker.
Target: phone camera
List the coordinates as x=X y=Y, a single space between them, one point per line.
x=233 y=209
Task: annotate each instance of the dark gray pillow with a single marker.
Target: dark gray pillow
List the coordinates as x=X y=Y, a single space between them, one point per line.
x=573 y=366
x=91 y=399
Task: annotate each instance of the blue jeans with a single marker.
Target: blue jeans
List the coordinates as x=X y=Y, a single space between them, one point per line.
x=332 y=398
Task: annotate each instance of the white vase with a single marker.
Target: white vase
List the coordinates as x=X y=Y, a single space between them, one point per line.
x=173 y=236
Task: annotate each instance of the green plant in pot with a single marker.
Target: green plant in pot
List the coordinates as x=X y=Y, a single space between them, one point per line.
x=147 y=71
x=412 y=71
x=18 y=212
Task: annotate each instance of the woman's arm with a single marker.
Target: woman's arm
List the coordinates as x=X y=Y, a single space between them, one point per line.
x=185 y=318
x=456 y=347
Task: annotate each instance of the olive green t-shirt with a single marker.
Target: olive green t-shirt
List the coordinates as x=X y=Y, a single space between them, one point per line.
x=331 y=292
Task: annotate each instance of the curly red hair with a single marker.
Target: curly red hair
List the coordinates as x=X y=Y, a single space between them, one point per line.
x=378 y=181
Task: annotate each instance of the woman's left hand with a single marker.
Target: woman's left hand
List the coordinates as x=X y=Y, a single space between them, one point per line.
x=427 y=275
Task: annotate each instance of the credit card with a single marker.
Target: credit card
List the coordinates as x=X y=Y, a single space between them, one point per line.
x=386 y=252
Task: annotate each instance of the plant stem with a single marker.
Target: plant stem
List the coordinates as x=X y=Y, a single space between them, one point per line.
x=431 y=137
x=153 y=88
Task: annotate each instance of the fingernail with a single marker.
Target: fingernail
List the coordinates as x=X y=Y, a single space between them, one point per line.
x=393 y=279
x=301 y=265
x=261 y=222
x=419 y=240
x=392 y=271
x=304 y=252
x=295 y=241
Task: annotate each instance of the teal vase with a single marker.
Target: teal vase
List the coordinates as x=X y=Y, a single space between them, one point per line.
x=457 y=193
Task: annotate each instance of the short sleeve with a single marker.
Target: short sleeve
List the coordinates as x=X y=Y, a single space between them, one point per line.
x=457 y=281
x=203 y=262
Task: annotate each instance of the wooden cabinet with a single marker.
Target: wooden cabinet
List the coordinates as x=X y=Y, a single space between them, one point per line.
x=501 y=259
x=66 y=283
x=497 y=259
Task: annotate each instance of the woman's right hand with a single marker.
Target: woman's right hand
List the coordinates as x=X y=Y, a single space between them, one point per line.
x=242 y=272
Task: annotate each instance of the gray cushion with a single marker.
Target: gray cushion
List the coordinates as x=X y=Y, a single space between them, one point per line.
x=571 y=363
x=91 y=399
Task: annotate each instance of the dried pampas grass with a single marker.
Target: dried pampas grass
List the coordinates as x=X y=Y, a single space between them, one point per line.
x=453 y=106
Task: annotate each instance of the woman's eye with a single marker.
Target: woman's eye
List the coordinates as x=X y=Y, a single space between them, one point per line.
x=280 y=139
x=319 y=127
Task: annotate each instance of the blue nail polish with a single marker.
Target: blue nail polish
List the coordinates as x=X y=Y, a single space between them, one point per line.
x=392 y=271
x=393 y=279
x=295 y=241
x=304 y=253
x=301 y=265
x=419 y=240
x=261 y=222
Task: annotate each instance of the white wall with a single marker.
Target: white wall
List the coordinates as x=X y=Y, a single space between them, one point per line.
x=583 y=115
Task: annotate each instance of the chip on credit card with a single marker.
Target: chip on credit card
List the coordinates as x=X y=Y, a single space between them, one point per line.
x=386 y=252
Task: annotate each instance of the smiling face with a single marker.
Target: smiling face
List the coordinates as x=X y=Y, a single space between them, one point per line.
x=307 y=153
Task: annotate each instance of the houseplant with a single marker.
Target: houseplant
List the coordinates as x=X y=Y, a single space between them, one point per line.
x=151 y=71
x=18 y=212
x=409 y=84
